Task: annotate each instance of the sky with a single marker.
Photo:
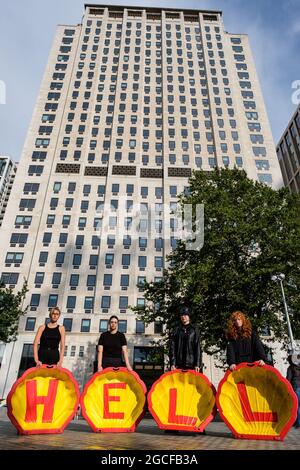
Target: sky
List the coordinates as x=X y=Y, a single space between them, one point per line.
x=27 y=30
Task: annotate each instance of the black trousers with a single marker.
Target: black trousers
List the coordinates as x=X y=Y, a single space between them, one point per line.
x=112 y=362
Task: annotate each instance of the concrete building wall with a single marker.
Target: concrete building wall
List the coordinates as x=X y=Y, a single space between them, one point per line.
x=165 y=82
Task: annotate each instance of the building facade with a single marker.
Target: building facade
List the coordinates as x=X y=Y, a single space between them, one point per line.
x=132 y=100
x=288 y=153
x=8 y=171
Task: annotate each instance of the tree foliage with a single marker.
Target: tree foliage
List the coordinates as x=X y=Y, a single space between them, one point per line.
x=251 y=232
x=10 y=312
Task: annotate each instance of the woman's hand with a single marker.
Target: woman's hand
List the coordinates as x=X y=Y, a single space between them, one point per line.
x=129 y=367
x=100 y=368
x=38 y=364
x=59 y=364
x=232 y=367
x=261 y=362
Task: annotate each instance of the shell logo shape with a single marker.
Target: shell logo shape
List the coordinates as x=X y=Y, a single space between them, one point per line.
x=114 y=400
x=182 y=400
x=43 y=401
x=256 y=402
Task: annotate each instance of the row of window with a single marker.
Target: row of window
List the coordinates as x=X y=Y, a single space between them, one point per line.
x=17 y=258
x=86 y=326
x=12 y=278
x=138 y=25
x=88 y=302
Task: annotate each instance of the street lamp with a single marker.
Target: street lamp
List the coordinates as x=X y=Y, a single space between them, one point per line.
x=280 y=278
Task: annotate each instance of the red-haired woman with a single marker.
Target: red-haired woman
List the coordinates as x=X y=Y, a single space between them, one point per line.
x=243 y=343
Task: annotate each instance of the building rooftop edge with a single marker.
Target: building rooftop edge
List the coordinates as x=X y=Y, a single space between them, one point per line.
x=156 y=9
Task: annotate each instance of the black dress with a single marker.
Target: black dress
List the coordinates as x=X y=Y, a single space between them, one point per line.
x=49 y=344
x=112 y=348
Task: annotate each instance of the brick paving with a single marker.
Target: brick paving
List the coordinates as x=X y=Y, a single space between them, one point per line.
x=79 y=436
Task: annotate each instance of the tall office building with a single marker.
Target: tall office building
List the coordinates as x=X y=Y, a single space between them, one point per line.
x=288 y=152
x=7 y=176
x=132 y=100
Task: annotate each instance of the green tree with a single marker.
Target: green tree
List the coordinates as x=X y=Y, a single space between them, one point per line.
x=250 y=233
x=11 y=311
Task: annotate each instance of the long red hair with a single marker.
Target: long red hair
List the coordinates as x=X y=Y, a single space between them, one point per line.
x=233 y=332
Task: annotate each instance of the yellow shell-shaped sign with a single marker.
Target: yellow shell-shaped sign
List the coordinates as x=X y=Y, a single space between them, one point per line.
x=182 y=400
x=114 y=400
x=43 y=400
x=256 y=402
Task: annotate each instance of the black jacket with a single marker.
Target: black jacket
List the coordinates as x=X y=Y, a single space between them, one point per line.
x=179 y=337
x=245 y=350
x=293 y=376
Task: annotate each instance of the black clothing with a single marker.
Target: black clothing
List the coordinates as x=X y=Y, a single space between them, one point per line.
x=185 y=352
x=112 y=345
x=293 y=376
x=112 y=362
x=49 y=344
x=245 y=350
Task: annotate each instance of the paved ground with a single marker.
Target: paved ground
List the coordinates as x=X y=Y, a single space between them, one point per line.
x=79 y=436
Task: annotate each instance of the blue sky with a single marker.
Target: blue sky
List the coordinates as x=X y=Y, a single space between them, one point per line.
x=27 y=29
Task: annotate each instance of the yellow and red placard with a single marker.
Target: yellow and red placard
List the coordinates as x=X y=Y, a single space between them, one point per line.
x=114 y=400
x=43 y=400
x=182 y=400
x=256 y=402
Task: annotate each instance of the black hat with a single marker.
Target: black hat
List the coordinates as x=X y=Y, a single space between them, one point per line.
x=184 y=311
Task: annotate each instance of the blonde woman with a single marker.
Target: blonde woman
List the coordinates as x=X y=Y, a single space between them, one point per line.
x=51 y=338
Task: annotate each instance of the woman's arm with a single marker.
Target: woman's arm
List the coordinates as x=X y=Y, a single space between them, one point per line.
x=230 y=354
x=125 y=353
x=62 y=345
x=100 y=355
x=36 y=343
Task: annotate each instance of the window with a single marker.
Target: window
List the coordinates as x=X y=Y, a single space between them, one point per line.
x=63 y=238
x=123 y=302
x=125 y=260
x=88 y=303
x=265 y=178
x=53 y=300
x=14 y=258
x=18 y=238
x=27 y=204
x=10 y=278
x=43 y=257
x=60 y=257
x=30 y=324
x=158 y=327
x=124 y=280
x=27 y=359
x=68 y=324
x=85 y=326
x=140 y=327
x=105 y=301
x=142 y=261
x=74 y=279
x=103 y=326
x=71 y=302
x=107 y=280
x=56 y=279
